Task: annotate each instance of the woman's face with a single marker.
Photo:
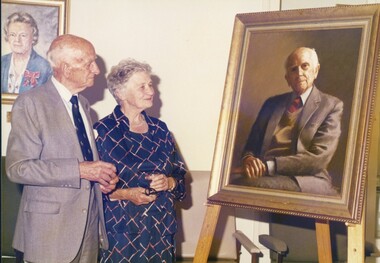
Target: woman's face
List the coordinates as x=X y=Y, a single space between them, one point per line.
x=138 y=92
x=20 y=37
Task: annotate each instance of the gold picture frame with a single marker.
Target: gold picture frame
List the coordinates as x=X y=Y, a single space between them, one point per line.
x=52 y=18
x=346 y=39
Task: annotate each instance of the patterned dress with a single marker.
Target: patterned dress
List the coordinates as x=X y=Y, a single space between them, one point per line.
x=140 y=233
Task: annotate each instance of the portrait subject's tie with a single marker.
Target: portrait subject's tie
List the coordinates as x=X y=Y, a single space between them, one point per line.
x=81 y=131
x=296 y=104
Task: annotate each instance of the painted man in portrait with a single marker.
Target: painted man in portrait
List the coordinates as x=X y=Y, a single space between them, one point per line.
x=296 y=134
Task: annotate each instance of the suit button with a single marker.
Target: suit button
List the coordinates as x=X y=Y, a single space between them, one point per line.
x=84 y=211
x=87 y=187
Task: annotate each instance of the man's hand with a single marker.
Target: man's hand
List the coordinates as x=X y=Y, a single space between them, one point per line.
x=253 y=167
x=101 y=172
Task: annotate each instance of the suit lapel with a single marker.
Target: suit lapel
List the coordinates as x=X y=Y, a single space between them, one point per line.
x=280 y=108
x=310 y=107
x=62 y=115
x=55 y=101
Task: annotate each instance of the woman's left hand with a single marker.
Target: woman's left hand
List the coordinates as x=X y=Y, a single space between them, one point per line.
x=159 y=182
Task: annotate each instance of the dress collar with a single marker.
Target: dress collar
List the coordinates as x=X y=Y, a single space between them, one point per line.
x=120 y=117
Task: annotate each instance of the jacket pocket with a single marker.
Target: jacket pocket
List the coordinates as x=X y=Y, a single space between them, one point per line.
x=42 y=207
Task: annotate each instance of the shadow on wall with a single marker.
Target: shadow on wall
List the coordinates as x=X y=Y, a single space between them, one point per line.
x=155 y=110
x=291 y=228
x=96 y=92
x=180 y=206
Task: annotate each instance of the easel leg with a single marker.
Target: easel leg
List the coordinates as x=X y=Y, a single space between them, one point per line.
x=322 y=228
x=207 y=233
x=356 y=241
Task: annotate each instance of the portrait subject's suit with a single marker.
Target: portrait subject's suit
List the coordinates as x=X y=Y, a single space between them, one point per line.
x=43 y=155
x=314 y=138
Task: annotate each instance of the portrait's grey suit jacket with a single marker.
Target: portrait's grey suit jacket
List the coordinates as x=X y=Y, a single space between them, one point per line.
x=43 y=155
x=313 y=143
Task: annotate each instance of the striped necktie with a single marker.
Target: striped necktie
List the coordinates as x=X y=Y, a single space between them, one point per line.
x=81 y=131
x=296 y=104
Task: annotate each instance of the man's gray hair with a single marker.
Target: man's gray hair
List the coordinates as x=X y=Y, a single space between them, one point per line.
x=313 y=53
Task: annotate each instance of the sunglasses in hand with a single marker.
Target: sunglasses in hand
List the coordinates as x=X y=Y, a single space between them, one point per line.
x=150 y=191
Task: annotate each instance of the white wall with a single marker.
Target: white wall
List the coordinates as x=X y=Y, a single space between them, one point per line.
x=186 y=43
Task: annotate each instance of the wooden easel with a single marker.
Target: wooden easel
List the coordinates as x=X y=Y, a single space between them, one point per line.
x=355 y=235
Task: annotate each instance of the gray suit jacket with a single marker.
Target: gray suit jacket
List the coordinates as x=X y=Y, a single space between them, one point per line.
x=314 y=142
x=43 y=154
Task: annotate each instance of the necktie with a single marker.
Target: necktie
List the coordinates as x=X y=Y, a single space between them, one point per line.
x=81 y=130
x=296 y=104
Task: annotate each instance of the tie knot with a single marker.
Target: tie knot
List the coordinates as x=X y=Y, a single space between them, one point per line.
x=296 y=104
x=74 y=100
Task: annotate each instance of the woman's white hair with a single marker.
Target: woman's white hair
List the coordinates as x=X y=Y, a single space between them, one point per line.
x=122 y=72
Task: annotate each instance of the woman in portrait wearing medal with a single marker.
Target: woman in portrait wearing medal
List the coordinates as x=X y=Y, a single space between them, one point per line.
x=22 y=69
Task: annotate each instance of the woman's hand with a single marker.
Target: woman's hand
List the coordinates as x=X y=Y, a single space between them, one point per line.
x=135 y=194
x=161 y=182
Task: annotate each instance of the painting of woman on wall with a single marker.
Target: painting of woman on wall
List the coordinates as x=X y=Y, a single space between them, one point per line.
x=28 y=28
x=23 y=68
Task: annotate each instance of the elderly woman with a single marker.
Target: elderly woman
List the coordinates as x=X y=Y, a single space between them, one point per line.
x=140 y=216
x=22 y=69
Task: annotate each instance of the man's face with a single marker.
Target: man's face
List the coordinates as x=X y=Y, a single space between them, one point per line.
x=83 y=71
x=301 y=71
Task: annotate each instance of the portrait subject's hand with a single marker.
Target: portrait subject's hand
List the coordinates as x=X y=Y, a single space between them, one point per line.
x=253 y=167
x=102 y=172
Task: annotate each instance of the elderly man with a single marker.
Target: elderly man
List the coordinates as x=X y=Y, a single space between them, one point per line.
x=295 y=134
x=52 y=152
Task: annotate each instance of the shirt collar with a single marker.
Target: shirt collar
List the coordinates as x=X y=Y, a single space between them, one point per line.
x=306 y=95
x=62 y=90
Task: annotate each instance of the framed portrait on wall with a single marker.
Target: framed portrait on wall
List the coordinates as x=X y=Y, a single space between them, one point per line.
x=313 y=162
x=28 y=28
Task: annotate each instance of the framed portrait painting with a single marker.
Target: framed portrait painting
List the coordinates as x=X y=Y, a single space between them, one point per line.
x=312 y=162
x=28 y=28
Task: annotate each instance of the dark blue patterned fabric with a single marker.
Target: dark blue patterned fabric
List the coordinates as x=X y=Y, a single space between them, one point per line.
x=142 y=233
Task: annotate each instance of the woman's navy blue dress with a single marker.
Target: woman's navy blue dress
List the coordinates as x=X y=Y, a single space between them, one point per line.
x=140 y=233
